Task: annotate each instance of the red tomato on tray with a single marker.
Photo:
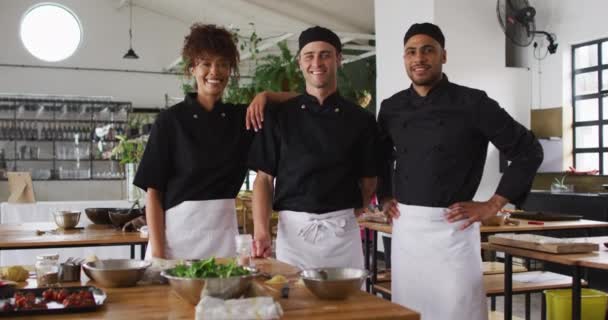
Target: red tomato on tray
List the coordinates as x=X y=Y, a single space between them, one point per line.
x=50 y=301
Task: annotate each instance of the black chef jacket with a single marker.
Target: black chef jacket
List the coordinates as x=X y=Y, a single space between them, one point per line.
x=194 y=154
x=318 y=153
x=435 y=147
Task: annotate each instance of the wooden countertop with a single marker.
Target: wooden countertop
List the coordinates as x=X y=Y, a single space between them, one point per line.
x=23 y=236
x=597 y=259
x=494 y=284
x=522 y=227
x=158 y=302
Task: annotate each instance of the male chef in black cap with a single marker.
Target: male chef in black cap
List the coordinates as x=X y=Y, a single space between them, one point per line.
x=316 y=165
x=434 y=141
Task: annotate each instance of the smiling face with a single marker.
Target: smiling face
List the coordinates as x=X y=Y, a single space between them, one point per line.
x=212 y=73
x=423 y=58
x=319 y=64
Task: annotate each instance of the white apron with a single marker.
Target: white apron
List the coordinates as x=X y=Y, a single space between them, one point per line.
x=308 y=240
x=199 y=230
x=436 y=268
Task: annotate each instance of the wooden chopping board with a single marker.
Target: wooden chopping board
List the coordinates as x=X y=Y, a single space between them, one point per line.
x=543 y=243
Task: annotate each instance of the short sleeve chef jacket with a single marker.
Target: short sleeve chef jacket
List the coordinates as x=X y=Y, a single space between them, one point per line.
x=435 y=147
x=194 y=154
x=317 y=153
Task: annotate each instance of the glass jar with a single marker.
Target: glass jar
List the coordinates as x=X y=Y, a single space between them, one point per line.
x=47 y=269
x=243 y=249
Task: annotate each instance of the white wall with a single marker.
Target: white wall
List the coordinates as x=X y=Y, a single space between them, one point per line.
x=476 y=58
x=392 y=20
x=573 y=22
x=156 y=39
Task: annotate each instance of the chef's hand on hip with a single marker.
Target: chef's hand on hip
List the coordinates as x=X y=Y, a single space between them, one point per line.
x=390 y=206
x=262 y=247
x=255 y=112
x=473 y=211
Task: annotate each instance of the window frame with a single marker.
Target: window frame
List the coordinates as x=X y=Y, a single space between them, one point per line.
x=599 y=95
x=58 y=5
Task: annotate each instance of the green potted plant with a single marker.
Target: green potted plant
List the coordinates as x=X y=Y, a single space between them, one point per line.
x=129 y=152
x=279 y=72
x=558 y=185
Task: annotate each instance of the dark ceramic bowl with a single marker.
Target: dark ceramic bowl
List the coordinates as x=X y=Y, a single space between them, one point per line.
x=99 y=215
x=119 y=217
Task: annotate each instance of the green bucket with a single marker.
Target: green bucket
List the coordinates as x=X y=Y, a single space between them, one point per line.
x=559 y=304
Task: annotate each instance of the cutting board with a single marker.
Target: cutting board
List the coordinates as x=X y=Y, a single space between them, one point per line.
x=543 y=243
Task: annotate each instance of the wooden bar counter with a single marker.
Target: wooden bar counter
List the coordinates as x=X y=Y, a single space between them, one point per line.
x=28 y=236
x=45 y=235
x=159 y=302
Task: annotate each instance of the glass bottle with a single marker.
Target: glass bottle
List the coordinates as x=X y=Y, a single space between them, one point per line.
x=243 y=249
x=47 y=269
x=44 y=133
x=3 y=130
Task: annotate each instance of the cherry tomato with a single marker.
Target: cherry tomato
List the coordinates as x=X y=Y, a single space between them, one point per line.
x=48 y=295
x=67 y=303
x=61 y=295
x=30 y=297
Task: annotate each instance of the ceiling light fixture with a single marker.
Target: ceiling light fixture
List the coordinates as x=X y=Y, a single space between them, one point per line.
x=130 y=54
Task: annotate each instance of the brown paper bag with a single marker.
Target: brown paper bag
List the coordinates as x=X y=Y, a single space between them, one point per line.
x=20 y=187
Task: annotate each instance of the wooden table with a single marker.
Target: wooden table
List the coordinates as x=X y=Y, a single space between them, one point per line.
x=158 y=302
x=597 y=260
x=494 y=284
x=25 y=236
x=523 y=226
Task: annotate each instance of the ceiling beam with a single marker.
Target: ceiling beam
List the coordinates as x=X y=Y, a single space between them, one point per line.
x=358 y=47
x=122 y=3
x=267 y=45
x=173 y=64
x=359 y=57
x=306 y=11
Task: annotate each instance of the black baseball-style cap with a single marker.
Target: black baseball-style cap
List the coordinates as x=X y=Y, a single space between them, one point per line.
x=317 y=33
x=426 y=28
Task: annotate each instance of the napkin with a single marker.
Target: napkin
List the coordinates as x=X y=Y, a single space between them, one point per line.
x=237 y=309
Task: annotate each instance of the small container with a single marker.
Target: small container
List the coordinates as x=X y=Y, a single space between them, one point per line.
x=47 y=269
x=243 y=249
x=69 y=272
x=66 y=219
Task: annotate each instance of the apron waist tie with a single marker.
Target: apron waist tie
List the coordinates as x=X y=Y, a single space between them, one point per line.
x=311 y=230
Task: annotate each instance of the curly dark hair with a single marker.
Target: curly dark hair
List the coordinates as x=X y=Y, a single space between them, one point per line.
x=209 y=39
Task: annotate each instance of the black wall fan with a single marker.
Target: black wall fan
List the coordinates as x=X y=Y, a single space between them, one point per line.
x=516 y=18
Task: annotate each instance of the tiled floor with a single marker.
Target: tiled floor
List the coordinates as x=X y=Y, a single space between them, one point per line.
x=519 y=306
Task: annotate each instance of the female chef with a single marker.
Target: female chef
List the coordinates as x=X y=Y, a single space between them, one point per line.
x=195 y=159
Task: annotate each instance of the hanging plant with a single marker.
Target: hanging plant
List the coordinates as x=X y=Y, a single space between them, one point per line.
x=236 y=92
x=279 y=72
x=188 y=84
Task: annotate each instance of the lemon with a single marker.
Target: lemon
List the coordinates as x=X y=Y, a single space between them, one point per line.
x=91 y=258
x=278 y=279
x=15 y=273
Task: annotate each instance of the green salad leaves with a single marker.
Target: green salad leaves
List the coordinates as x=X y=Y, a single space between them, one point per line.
x=208 y=268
